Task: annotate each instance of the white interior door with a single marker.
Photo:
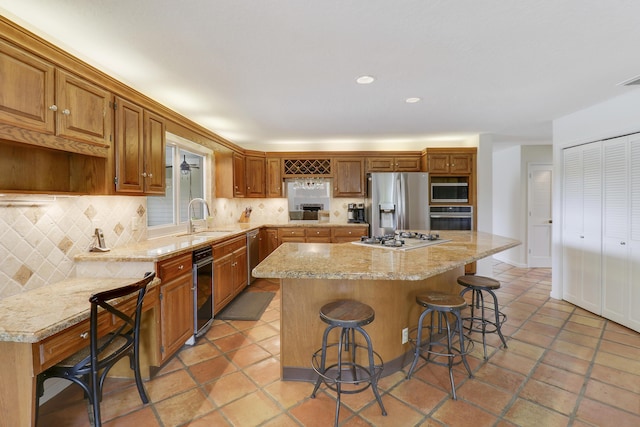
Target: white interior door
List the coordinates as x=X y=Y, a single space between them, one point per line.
x=539 y=218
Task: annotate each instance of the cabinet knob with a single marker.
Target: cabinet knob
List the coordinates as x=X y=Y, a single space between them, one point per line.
x=150 y=175
x=84 y=335
x=181 y=267
x=623 y=243
x=144 y=174
x=66 y=112
x=54 y=107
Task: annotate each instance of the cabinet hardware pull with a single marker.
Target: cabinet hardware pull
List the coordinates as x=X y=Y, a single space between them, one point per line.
x=84 y=335
x=54 y=107
x=66 y=112
x=623 y=243
x=144 y=174
x=150 y=175
x=180 y=267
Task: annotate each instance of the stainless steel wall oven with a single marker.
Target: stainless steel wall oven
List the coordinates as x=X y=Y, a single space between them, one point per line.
x=451 y=217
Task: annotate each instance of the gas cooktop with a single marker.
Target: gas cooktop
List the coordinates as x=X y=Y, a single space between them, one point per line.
x=403 y=241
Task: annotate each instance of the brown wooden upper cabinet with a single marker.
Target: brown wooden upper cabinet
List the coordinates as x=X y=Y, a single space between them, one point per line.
x=273 y=177
x=230 y=175
x=449 y=163
x=348 y=177
x=27 y=88
x=255 y=174
x=239 y=178
x=393 y=164
x=37 y=96
x=139 y=150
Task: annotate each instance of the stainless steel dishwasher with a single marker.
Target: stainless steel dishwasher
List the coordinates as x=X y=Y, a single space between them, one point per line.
x=253 y=253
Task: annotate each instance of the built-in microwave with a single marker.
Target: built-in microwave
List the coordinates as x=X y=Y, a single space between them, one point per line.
x=449 y=192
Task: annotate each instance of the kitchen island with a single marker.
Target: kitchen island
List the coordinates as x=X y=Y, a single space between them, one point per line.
x=387 y=279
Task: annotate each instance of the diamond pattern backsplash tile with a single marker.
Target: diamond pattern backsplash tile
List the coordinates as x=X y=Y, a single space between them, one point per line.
x=38 y=242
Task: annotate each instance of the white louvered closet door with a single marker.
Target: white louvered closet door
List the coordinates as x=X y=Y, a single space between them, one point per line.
x=582 y=226
x=633 y=299
x=615 y=265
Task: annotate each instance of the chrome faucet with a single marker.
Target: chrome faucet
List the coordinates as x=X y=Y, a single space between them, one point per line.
x=192 y=227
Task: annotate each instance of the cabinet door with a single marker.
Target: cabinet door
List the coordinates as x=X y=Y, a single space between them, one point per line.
x=254 y=167
x=438 y=163
x=222 y=282
x=274 y=178
x=240 y=272
x=460 y=163
x=380 y=164
x=176 y=308
x=27 y=90
x=407 y=164
x=318 y=235
x=349 y=178
x=347 y=234
x=129 y=147
x=291 y=234
x=154 y=154
x=83 y=110
x=273 y=240
x=239 y=182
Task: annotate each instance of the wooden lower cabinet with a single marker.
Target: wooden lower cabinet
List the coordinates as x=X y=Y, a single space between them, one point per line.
x=269 y=242
x=222 y=281
x=229 y=271
x=348 y=234
x=318 y=235
x=176 y=304
x=292 y=234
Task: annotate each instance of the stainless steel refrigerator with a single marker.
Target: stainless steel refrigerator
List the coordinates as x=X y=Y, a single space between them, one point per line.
x=397 y=201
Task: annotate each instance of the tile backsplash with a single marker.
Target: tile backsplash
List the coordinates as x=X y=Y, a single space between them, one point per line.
x=39 y=238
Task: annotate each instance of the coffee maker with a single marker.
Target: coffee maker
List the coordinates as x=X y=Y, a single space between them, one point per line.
x=355 y=213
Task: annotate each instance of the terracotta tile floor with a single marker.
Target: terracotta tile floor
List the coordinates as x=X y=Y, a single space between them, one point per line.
x=564 y=366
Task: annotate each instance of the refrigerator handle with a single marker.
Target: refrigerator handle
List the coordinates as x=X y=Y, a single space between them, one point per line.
x=400 y=203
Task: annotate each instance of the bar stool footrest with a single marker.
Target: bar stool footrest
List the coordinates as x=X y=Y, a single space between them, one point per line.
x=350 y=373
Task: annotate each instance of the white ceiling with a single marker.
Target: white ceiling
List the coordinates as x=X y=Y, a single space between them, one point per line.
x=280 y=75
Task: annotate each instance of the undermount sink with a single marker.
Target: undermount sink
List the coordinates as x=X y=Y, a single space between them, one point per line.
x=208 y=233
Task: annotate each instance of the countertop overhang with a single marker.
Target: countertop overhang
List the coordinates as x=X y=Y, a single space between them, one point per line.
x=356 y=262
x=35 y=315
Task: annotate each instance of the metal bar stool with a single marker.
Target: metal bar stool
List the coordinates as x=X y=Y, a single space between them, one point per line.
x=442 y=305
x=349 y=316
x=490 y=318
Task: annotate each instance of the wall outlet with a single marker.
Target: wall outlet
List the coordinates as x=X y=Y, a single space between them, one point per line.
x=405 y=335
x=134 y=223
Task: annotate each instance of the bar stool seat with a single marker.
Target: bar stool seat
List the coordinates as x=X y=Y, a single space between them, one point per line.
x=440 y=342
x=362 y=367
x=490 y=319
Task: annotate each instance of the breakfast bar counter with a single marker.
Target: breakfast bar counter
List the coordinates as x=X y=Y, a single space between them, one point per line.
x=387 y=279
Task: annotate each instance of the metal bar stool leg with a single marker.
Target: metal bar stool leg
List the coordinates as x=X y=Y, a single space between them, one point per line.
x=374 y=378
x=498 y=320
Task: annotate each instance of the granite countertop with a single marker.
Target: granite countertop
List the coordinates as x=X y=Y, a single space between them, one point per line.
x=32 y=316
x=357 y=262
x=158 y=249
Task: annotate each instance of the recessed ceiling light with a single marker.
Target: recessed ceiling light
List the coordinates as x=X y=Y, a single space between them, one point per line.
x=412 y=100
x=365 y=80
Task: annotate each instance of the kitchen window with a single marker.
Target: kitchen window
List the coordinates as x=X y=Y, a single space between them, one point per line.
x=186 y=165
